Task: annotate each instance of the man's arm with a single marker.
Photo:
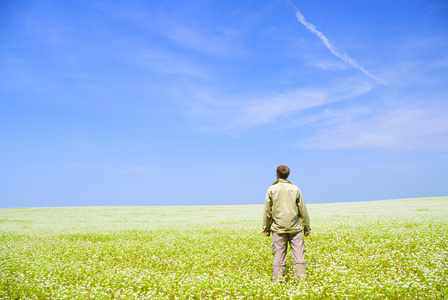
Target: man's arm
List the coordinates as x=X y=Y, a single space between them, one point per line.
x=303 y=215
x=267 y=215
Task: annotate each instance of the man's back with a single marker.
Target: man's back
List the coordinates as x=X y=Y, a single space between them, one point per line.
x=284 y=208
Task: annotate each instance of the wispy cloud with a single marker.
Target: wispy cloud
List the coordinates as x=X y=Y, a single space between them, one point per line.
x=329 y=65
x=221 y=41
x=178 y=28
x=244 y=114
x=82 y=145
x=339 y=53
x=122 y=170
x=164 y=62
x=401 y=129
x=409 y=65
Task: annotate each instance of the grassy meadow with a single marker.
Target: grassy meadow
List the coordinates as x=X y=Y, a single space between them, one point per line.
x=394 y=249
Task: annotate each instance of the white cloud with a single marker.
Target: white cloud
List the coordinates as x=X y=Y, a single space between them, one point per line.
x=221 y=41
x=401 y=129
x=228 y=115
x=176 y=27
x=329 y=65
x=269 y=30
x=123 y=169
x=339 y=53
x=82 y=145
x=164 y=62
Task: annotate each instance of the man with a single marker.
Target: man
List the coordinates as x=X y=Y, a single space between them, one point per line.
x=285 y=214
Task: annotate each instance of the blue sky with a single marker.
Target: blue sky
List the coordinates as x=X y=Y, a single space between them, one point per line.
x=198 y=102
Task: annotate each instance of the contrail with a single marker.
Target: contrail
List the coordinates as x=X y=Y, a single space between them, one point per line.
x=341 y=54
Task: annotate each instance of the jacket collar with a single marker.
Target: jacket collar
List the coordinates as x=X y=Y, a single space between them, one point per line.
x=282 y=181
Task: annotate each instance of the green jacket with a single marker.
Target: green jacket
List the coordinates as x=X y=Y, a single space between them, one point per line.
x=284 y=209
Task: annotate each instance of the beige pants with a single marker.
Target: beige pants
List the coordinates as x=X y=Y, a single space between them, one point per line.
x=279 y=249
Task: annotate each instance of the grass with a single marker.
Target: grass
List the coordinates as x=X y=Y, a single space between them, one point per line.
x=395 y=249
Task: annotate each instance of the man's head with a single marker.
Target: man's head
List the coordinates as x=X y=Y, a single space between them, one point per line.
x=282 y=172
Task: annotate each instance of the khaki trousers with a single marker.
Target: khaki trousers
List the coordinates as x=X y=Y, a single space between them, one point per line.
x=279 y=249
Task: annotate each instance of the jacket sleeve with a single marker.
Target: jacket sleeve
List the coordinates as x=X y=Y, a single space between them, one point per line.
x=303 y=214
x=267 y=214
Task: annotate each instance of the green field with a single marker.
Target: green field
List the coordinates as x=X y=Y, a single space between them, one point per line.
x=395 y=249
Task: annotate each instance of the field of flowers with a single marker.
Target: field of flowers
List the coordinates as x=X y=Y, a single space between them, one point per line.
x=395 y=249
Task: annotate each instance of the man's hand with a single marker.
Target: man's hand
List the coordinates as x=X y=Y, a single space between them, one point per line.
x=267 y=233
x=307 y=233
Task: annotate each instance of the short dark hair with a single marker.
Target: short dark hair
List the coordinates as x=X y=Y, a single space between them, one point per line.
x=283 y=171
